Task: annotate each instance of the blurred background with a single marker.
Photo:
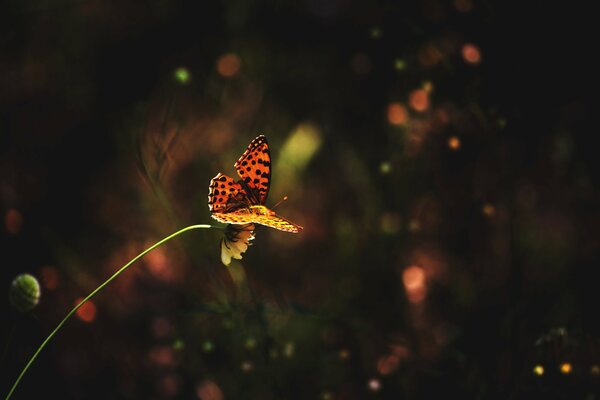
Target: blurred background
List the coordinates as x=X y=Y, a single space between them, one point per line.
x=438 y=153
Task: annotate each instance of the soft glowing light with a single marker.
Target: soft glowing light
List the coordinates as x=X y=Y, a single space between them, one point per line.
x=376 y=32
x=419 y=100
x=429 y=55
x=228 y=65
x=595 y=370
x=488 y=210
x=182 y=75
x=250 y=343
x=414 y=225
x=566 y=368
x=161 y=327
x=247 y=366
x=413 y=278
x=387 y=364
x=471 y=53
x=454 y=143
x=397 y=114
x=157 y=263
x=301 y=146
x=209 y=390
x=87 y=312
x=463 y=5
x=399 y=64
x=390 y=223
x=326 y=396
x=207 y=346
x=374 y=385
x=49 y=277
x=178 y=345
x=170 y=385
x=428 y=86
x=163 y=356
x=385 y=167
x=289 y=349
x=442 y=116
x=13 y=221
x=538 y=370
x=344 y=354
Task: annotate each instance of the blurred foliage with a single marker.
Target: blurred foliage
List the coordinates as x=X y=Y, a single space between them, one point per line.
x=437 y=154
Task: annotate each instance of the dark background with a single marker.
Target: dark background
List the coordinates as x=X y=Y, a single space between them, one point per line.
x=103 y=151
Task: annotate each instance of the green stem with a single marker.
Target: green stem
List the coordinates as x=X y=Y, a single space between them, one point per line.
x=98 y=289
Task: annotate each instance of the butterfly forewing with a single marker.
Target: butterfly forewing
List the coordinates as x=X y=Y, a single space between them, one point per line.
x=254 y=167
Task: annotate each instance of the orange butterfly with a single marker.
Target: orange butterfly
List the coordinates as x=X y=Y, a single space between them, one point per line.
x=243 y=202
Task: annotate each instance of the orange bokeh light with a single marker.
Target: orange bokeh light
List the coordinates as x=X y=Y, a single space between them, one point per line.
x=419 y=100
x=413 y=278
x=209 y=390
x=387 y=364
x=163 y=356
x=454 y=142
x=13 y=221
x=488 y=210
x=397 y=114
x=228 y=65
x=566 y=368
x=463 y=5
x=471 y=53
x=49 y=277
x=429 y=55
x=344 y=354
x=87 y=312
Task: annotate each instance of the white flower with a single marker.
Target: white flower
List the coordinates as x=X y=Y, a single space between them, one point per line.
x=236 y=241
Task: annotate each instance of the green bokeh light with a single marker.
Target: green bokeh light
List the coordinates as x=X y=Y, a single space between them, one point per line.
x=182 y=75
x=399 y=64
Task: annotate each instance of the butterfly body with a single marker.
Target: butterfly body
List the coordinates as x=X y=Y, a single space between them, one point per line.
x=243 y=202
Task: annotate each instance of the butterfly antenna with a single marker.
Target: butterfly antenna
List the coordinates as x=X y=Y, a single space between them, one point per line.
x=280 y=201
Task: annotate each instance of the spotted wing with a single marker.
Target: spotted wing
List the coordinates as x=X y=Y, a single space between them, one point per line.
x=224 y=193
x=277 y=222
x=254 y=167
x=237 y=217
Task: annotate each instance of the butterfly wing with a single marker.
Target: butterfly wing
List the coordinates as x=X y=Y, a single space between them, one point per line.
x=254 y=167
x=237 y=217
x=277 y=222
x=224 y=194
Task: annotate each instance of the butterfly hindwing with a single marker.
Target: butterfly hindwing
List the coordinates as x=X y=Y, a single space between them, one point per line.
x=254 y=168
x=221 y=191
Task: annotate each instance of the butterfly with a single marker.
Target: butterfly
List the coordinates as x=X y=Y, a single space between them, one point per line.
x=243 y=202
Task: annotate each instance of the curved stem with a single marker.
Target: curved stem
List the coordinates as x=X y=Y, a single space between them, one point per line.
x=98 y=289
